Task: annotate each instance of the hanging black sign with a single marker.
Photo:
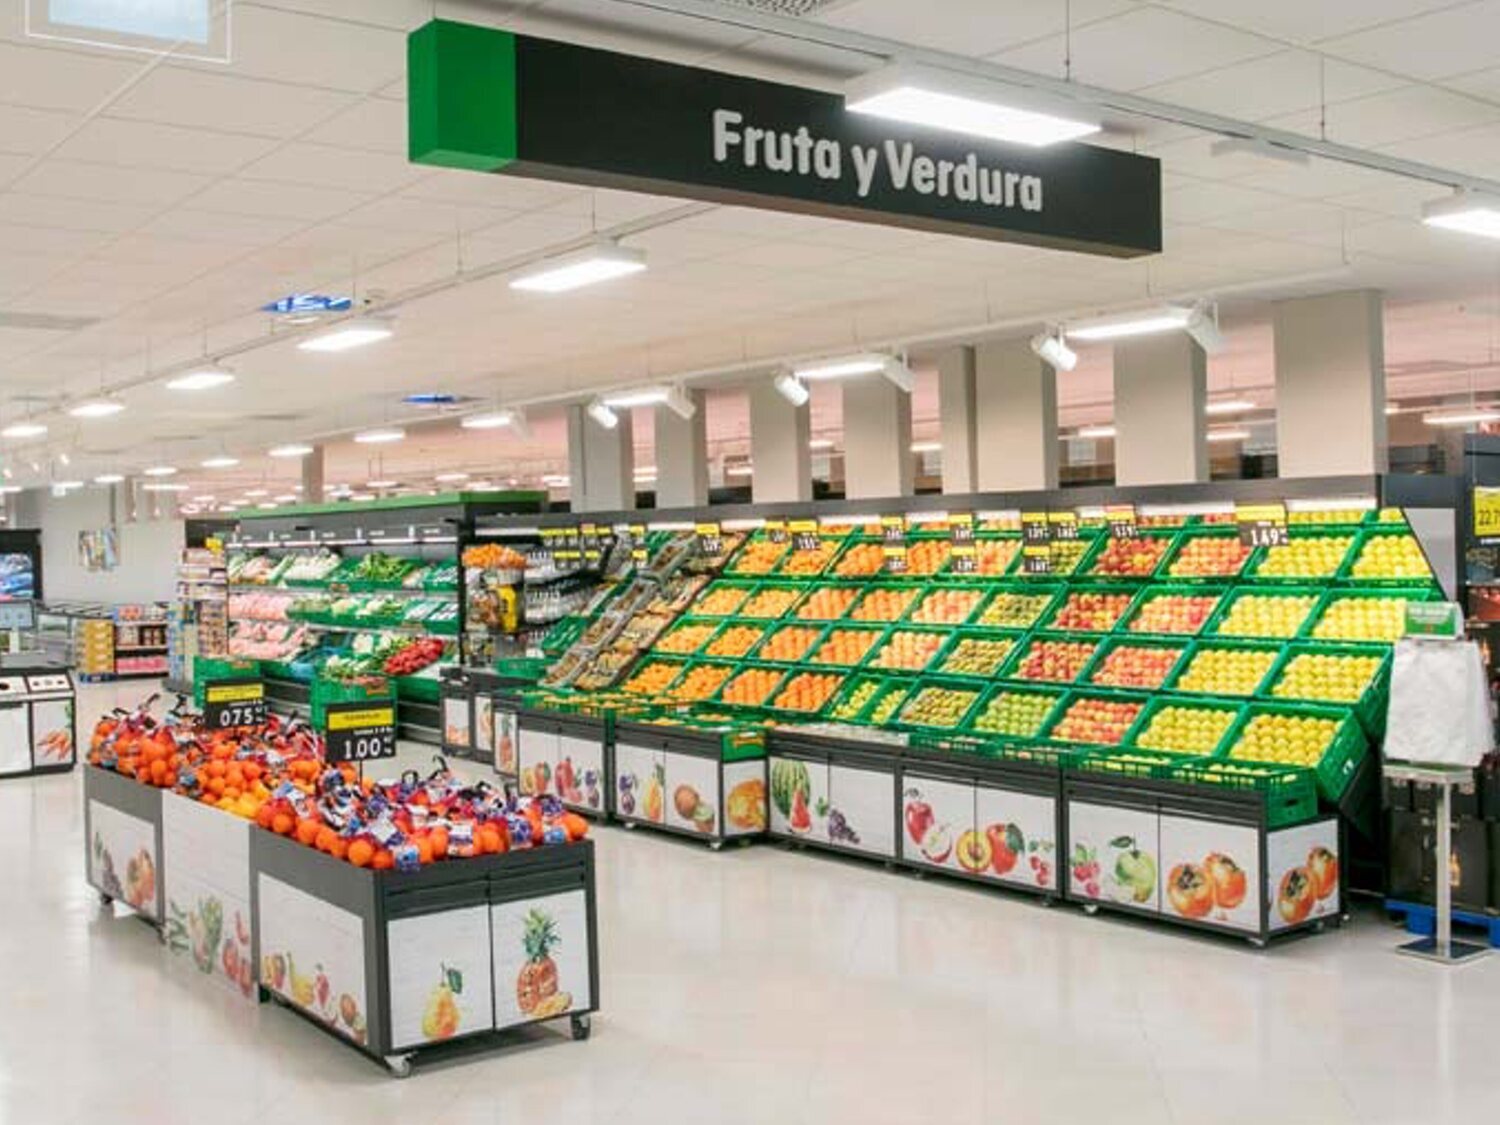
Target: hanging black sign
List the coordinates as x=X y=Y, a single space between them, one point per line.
x=234 y=703
x=490 y=100
x=710 y=539
x=359 y=732
x=1122 y=521
x=805 y=535
x=1262 y=525
x=776 y=530
x=1036 y=528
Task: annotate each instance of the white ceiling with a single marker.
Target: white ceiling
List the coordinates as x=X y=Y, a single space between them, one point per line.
x=170 y=199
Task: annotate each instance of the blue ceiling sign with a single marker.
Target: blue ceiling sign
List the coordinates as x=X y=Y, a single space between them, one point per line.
x=308 y=303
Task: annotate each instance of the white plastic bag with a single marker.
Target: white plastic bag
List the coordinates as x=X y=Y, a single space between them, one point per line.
x=1439 y=711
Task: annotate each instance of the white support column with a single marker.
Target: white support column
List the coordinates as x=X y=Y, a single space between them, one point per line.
x=779 y=433
x=877 y=439
x=1330 y=385
x=956 y=414
x=1015 y=418
x=312 y=476
x=601 y=463
x=1161 y=383
x=682 y=456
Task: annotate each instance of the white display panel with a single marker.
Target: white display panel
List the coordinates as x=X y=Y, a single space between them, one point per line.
x=578 y=775
x=123 y=863
x=1113 y=855
x=1016 y=836
x=440 y=985
x=1210 y=872
x=207 y=883
x=1302 y=873
x=935 y=815
x=541 y=957
x=506 y=742
x=640 y=783
x=745 y=797
x=799 y=798
x=692 y=792
x=536 y=761
x=52 y=733
x=15 y=739
x=862 y=810
x=312 y=953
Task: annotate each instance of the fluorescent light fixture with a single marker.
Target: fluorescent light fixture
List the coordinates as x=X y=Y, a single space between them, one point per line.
x=865 y=363
x=23 y=430
x=1393 y=408
x=926 y=446
x=648 y=473
x=1142 y=323
x=1463 y=418
x=353 y=333
x=255 y=493
x=1467 y=212
x=480 y=485
x=602 y=414
x=268 y=506
x=96 y=408
x=109 y=478
x=381 y=483
x=1254 y=146
x=66 y=485
x=203 y=379
x=293 y=450
x=790 y=388
x=740 y=471
x=361 y=497
x=160 y=486
x=603 y=261
x=161 y=471
x=1052 y=350
x=1229 y=406
x=450 y=478
x=674 y=398
x=203 y=499
x=957 y=103
x=64 y=458
x=11 y=489
x=491 y=421
x=555 y=480
x=819 y=444
x=1203 y=327
x=286 y=498
x=1228 y=435
x=223 y=462
x=381 y=436
x=1095 y=432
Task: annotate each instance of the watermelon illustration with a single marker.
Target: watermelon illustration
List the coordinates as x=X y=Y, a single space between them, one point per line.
x=787 y=780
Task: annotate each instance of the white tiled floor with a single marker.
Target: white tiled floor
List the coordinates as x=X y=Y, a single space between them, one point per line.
x=761 y=986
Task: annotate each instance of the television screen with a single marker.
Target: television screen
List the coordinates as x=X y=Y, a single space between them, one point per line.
x=17 y=577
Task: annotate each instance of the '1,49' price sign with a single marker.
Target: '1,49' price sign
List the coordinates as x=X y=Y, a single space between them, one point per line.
x=1262 y=525
x=234 y=703
x=360 y=732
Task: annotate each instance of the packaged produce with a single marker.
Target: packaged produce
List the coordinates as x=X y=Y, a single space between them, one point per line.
x=311 y=568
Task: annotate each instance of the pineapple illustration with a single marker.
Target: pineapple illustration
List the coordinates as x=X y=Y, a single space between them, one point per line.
x=537 y=981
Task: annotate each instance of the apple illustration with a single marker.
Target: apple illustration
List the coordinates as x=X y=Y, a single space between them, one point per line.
x=918 y=817
x=937 y=844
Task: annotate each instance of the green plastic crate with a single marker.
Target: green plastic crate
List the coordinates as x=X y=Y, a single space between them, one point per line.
x=729 y=625
x=1241 y=593
x=936 y=637
x=971 y=640
x=1160 y=703
x=1026 y=750
x=912 y=591
x=1341 y=756
x=1050 y=733
x=1369 y=708
x=931 y=589
x=211 y=669
x=793 y=590
x=1195 y=535
x=1290 y=794
x=741 y=588
x=1006 y=593
x=1118 y=641
x=325 y=691
x=1253 y=571
x=962 y=690
x=1012 y=670
x=672 y=690
x=1053 y=695
x=855 y=542
x=979 y=576
x=1127 y=592
x=791 y=677
x=1369 y=534
x=1274 y=650
x=813 y=659
x=860 y=693
x=1090 y=544
x=1151 y=593
x=818 y=629
x=1412 y=593
x=1126 y=762
x=1165 y=537
x=712 y=624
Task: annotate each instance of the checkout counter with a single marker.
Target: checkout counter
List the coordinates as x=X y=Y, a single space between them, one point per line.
x=38 y=716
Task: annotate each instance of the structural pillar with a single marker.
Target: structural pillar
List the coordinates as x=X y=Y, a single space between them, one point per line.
x=601 y=463
x=1015 y=419
x=1330 y=385
x=877 y=439
x=956 y=419
x=682 y=456
x=1161 y=384
x=312 y=476
x=779 y=433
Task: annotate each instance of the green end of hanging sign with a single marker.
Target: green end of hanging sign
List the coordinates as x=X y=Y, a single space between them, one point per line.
x=461 y=96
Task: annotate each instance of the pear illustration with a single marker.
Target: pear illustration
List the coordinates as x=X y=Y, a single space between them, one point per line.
x=441 y=1018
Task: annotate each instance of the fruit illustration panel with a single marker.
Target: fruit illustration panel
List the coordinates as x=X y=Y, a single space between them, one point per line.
x=312 y=953
x=1210 y=872
x=578 y=777
x=861 y=806
x=799 y=798
x=1014 y=839
x=52 y=733
x=536 y=761
x=456 y=728
x=745 y=798
x=1302 y=875
x=439 y=976
x=640 y=783
x=692 y=789
x=15 y=741
x=507 y=741
x=1113 y=855
x=207 y=887
x=123 y=863
x=935 y=815
x=540 y=953
x=484 y=725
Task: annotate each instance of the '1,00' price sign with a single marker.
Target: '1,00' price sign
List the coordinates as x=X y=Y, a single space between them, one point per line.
x=234 y=703
x=359 y=732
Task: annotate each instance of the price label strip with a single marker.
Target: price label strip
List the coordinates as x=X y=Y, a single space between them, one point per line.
x=1036 y=558
x=965 y=553
x=711 y=539
x=805 y=535
x=1064 y=526
x=234 y=703
x=638 y=550
x=1262 y=525
x=1122 y=521
x=775 y=530
x=360 y=732
x=1036 y=528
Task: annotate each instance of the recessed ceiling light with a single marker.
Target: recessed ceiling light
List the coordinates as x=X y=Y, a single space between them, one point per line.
x=1468 y=212
x=23 y=430
x=161 y=471
x=96 y=408
x=450 y=478
x=354 y=333
x=202 y=379
x=225 y=462
x=109 y=478
x=292 y=450
x=958 y=103
x=381 y=436
x=603 y=261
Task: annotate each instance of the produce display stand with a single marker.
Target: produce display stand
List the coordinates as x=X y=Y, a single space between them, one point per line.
x=569 y=757
x=122 y=831
x=845 y=771
x=705 y=781
x=411 y=966
x=38 y=726
x=480 y=713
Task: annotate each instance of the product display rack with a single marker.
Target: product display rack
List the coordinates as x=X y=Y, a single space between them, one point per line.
x=909 y=646
x=105 y=642
x=198 y=621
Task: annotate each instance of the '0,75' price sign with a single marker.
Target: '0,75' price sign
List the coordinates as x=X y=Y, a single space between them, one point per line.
x=360 y=732
x=234 y=703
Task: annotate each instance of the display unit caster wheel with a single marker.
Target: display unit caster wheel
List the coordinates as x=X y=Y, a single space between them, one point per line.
x=715 y=845
x=398 y=1065
x=1090 y=909
x=581 y=1026
x=105 y=900
x=1257 y=942
x=628 y=825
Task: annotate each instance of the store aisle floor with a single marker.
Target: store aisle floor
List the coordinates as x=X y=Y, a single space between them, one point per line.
x=757 y=985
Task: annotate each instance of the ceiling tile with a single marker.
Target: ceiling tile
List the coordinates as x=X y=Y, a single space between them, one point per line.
x=1275 y=84
x=72 y=214
x=1301 y=22
x=216 y=100
x=427 y=216
x=29 y=131
x=514 y=193
x=210 y=226
x=1395 y=115
x=257 y=198
x=322 y=166
x=375 y=124
x=138 y=144
x=56 y=78
x=968 y=27
x=70 y=179
x=1456 y=40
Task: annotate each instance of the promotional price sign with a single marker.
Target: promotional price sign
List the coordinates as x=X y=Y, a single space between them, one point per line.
x=1262 y=525
x=776 y=531
x=1122 y=521
x=1486 y=506
x=893 y=543
x=591 y=542
x=1064 y=525
x=804 y=535
x=711 y=539
x=638 y=550
x=961 y=534
x=234 y=703
x=1036 y=558
x=360 y=732
x=567 y=549
x=1035 y=528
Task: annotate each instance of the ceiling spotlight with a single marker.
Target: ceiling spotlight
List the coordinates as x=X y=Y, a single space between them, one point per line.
x=1229 y=406
x=602 y=414
x=957 y=103
x=23 y=430
x=1203 y=327
x=96 y=408
x=1465 y=211
x=201 y=379
x=353 y=333
x=161 y=471
x=1052 y=350
x=603 y=261
x=381 y=436
x=109 y=478
x=65 y=459
x=789 y=387
x=293 y=450
x=223 y=462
